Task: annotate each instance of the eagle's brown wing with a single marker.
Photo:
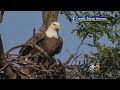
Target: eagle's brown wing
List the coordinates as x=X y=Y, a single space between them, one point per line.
x=26 y=49
x=60 y=45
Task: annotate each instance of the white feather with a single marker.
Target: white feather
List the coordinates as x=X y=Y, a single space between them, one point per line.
x=51 y=33
x=52 y=30
x=26 y=59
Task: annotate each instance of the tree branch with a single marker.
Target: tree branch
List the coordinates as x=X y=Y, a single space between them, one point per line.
x=70 y=58
x=43 y=51
x=3 y=62
x=13 y=48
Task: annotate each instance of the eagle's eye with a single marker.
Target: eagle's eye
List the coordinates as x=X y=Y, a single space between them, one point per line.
x=54 y=24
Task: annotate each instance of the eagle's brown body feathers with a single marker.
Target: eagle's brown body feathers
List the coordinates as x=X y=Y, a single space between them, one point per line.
x=51 y=45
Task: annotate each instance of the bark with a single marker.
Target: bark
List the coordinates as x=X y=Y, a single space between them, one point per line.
x=3 y=62
x=48 y=17
x=1 y=16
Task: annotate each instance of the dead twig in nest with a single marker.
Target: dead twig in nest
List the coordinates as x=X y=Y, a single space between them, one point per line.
x=34 y=32
x=4 y=66
x=41 y=50
x=18 y=47
x=47 y=71
x=23 y=73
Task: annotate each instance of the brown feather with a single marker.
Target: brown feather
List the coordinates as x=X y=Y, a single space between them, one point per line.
x=26 y=49
x=51 y=45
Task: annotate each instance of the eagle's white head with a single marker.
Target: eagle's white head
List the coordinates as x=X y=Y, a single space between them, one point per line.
x=53 y=29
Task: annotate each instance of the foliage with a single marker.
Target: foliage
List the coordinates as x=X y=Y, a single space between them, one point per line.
x=108 y=56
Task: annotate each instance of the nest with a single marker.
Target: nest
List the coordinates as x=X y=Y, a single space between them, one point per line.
x=30 y=67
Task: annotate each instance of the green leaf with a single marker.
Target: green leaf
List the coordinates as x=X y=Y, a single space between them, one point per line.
x=91 y=45
x=76 y=13
x=67 y=14
x=84 y=36
x=85 y=13
x=81 y=12
x=117 y=36
x=78 y=33
x=101 y=34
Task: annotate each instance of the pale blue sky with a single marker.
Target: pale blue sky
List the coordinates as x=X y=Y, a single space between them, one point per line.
x=17 y=28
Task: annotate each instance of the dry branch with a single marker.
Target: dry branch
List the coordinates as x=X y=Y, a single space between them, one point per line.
x=34 y=32
x=70 y=58
x=43 y=51
x=13 y=48
x=3 y=63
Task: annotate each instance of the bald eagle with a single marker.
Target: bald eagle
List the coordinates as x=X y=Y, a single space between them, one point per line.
x=49 y=41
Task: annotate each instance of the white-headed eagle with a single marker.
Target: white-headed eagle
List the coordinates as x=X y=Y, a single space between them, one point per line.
x=49 y=41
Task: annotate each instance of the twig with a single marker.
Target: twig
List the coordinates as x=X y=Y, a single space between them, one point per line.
x=23 y=57
x=3 y=62
x=68 y=52
x=75 y=59
x=44 y=69
x=34 y=32
x=43 y=51
x=18 y=47
x=11 y=54
x=73 y=55
x=14 y=48
x=48 y=71
x=70 y=58
x=23 y=73
x=4 y=66
x=20 y=57
x=33 y=66
x=78 y=48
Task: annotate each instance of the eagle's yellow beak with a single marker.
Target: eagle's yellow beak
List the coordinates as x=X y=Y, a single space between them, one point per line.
x=58 y=27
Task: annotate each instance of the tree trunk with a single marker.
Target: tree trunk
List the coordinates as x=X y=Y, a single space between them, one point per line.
x=1 y=16
x=8 y=72
x=48 y=18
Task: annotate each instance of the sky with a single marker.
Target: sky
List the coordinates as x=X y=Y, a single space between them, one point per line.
x=17 y=27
